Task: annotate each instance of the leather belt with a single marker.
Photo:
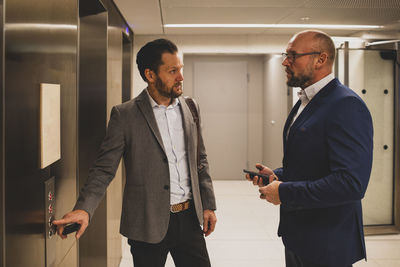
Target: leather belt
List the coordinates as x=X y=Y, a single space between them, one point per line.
x=180 y=207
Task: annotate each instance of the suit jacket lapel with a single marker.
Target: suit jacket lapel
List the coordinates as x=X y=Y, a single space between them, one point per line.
x=288 y=122
x=188 y=124
x=145 y=107
x=311 y=107
x=306 y=113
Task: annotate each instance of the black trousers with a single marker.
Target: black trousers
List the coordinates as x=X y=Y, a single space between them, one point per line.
x=184 y=240
x=292 y=260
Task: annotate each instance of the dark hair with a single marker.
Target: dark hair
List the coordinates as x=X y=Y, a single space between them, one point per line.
x=149 y=56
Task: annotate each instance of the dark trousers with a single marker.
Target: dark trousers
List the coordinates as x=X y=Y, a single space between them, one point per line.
x=293 y=260
x=184 y=240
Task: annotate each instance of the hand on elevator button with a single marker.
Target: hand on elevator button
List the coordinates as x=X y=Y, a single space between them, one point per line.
x=76 y=216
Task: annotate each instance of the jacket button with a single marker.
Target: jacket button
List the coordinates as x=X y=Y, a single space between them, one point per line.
x=166 y=187
x=165 y=160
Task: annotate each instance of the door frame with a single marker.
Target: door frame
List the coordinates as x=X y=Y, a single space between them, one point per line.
x=393 y=228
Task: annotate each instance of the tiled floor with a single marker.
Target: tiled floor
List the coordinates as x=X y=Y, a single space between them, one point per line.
x=245 y=235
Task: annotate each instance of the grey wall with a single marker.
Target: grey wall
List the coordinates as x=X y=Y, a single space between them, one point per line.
x=41 y=45
x=275 y=110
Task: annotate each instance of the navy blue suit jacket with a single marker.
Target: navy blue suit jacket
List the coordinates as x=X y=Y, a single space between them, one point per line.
x=326 y=168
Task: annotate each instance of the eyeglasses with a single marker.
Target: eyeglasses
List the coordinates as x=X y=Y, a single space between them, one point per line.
x=291 y=57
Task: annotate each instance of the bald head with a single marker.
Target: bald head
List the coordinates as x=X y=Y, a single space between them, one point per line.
x=317 y=41
x=310 y=57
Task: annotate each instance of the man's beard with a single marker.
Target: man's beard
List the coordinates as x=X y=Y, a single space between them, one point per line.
x=167 y=91
x=301 y=80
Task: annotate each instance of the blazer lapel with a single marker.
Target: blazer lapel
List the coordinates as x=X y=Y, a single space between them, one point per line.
x=188 y=126
x=147 y=111
x=288 y=122
x=311 y=107
x=306 y=113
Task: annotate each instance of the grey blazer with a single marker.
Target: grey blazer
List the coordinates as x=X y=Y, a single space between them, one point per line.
x=133 y=133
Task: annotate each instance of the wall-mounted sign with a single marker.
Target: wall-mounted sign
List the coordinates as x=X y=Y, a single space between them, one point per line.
x=50 y=124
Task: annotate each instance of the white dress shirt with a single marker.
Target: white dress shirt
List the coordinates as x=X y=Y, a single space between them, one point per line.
x=308 y=93
x=170 y=124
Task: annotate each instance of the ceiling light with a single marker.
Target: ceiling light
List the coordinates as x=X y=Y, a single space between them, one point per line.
x=274 y=26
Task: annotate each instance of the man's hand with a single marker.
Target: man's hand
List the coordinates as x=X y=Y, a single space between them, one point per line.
x=263 y=170
x=76 y=216
x=210 y=220
x=271 y=193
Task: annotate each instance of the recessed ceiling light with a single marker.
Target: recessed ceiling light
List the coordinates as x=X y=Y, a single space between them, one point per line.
x=274 y=26
x=305 y=18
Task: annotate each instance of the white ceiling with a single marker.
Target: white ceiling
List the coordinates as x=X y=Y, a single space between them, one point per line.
x=149 y=16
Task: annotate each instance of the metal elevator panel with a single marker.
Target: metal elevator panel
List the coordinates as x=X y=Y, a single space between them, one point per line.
x=50 y=232
x=40 y=44
x=92 y=104
x=126 y=67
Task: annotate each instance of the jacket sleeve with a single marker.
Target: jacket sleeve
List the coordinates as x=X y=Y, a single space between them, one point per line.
x=279 y=172
x=349 y=143
x=105 y=166
x=206 y=186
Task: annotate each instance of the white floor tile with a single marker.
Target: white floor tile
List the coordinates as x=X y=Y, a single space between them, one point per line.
x=369 y=263
x=383 y=249
x=246 y=233
x=388 y=263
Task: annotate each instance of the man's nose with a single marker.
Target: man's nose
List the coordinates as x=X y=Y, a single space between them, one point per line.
x=285 y=62
x=180 y=76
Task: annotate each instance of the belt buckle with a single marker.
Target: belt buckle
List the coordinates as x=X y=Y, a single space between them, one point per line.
x=176 y=208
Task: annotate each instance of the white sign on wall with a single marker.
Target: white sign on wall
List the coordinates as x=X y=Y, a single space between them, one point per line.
x=50 y=124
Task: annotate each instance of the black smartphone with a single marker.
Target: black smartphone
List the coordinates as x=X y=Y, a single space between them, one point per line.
x=264 y=177
x=71 y=228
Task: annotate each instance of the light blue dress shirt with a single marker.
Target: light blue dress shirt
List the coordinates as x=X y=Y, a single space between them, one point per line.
x=170 y=124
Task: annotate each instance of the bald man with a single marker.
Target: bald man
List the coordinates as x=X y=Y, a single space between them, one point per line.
x=328 y=141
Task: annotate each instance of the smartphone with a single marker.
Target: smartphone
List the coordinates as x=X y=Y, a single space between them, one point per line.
x=71 y=228
x=264 y=177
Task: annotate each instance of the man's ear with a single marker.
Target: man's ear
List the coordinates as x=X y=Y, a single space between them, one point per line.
x=150 y=75
x=322 y=60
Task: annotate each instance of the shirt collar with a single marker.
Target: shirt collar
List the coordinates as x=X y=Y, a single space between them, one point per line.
x=154 y=104
x=313 y=89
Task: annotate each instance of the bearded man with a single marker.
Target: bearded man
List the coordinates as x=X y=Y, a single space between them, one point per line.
x=168 y=192
x=328 y=142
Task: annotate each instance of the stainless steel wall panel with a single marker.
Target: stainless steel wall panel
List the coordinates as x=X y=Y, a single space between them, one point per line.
x=40 y=46
x=126 y=67
x=114 y=195
x=2 y=232
x=90 y=7
x=100 y=47
x=92 y=101
x=397 y=140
